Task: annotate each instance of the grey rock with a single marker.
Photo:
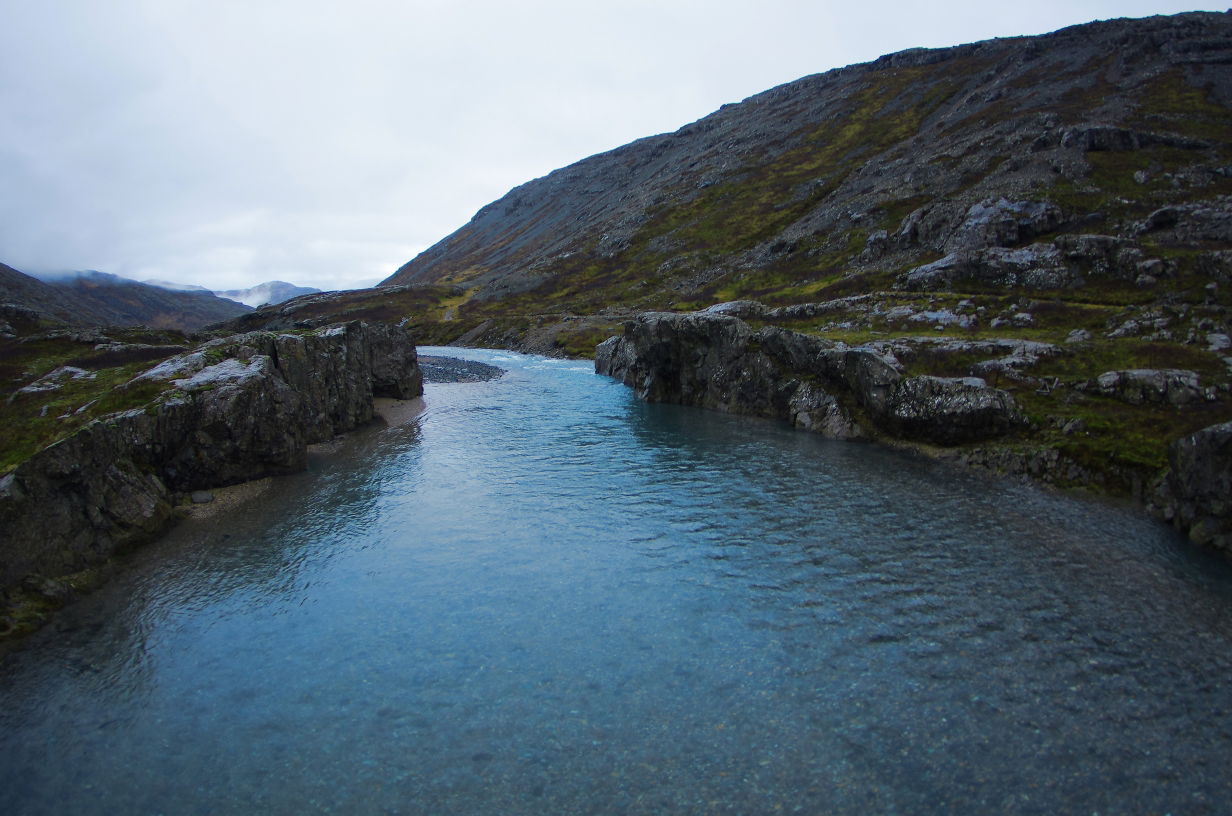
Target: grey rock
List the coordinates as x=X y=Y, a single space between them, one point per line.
x=201 y=497
x=815 y=409
x=739 y=308
x=1095 y=138
x=717 y=361
x=244 y=408
x=1151 y=386
x=950 y=411
x=1190 y=224
x=1038 y=266
x=53 y=380
x=1003 y=223
x=1197 y=491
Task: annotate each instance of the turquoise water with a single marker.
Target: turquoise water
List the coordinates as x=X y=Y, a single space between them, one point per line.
x=545 y=597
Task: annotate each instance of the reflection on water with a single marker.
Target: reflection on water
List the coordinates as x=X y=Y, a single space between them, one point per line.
x=545 y=597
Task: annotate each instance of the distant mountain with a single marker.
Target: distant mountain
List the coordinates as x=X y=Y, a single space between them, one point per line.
x=26 y=301
x=266 y=294
x=176 y=287
x=263 y=294
x=103 y=299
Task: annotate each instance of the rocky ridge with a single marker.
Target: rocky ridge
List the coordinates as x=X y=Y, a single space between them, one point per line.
x=233 y=409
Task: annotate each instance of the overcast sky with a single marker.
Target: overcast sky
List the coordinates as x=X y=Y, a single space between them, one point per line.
x=326 y=143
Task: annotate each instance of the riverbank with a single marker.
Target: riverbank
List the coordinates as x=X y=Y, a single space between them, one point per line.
x=543 y=579
x=231 y=411
x=1143 y=434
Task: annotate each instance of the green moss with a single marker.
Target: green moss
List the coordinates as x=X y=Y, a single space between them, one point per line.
x=31 y=422
x=581 y=342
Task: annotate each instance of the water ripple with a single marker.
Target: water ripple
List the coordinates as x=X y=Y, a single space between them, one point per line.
x=546 y=597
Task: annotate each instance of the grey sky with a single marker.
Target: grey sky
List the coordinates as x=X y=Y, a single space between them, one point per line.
x=226 y=143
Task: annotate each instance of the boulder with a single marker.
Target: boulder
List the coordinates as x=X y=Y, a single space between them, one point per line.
x=1003 y=223
x=950 y=411
x=1038 y=266
x=1190 y=224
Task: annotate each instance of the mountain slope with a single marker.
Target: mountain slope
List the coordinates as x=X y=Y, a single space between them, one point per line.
x=866 y=172
x=26 y=300
x=110 y=300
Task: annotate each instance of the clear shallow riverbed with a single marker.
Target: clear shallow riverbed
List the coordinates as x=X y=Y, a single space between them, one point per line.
x=545 y=597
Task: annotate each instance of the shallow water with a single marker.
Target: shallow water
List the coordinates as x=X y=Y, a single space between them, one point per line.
x=546 y=597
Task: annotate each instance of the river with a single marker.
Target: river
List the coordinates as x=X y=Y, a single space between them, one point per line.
x=542 y=596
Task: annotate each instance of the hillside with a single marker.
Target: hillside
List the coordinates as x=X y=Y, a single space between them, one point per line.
x=25 y=301
x=1048 y=217
x=101 y=299
x=123 y=302
x=842 y=182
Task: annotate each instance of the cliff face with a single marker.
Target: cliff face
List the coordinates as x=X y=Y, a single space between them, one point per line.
x=234 y=409
x=717 y=361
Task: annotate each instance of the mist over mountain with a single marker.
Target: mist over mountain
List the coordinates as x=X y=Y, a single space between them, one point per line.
x=91 y=298
x=267 y=293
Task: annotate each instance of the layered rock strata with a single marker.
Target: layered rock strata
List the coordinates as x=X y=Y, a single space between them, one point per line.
x=234 y=409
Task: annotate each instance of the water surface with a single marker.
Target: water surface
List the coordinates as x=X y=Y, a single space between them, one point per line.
x=545 y=597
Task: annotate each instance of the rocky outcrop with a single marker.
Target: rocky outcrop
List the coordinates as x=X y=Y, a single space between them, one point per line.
x=1197 y=492
x=1140 y=386
x=1038 y=266
x=717 y=361
x=234 y=409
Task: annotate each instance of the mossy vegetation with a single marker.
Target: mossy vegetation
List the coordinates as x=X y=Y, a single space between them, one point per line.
x=34 y=419
x=1175 y=103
